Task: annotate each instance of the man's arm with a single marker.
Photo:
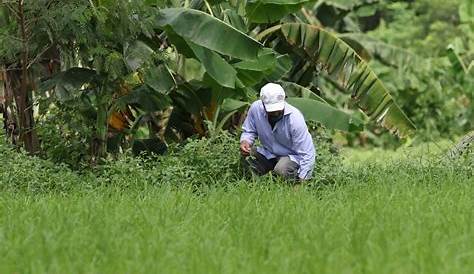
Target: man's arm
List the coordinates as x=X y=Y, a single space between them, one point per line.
x=304 y=147
x=249 y=133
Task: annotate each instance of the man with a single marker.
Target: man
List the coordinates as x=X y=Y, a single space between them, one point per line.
x=287 y=147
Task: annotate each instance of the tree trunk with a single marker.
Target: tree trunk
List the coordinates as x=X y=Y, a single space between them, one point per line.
x=22 y=93
x=99 y=142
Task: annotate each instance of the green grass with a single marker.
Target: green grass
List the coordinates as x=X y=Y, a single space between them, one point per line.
x=396 y=217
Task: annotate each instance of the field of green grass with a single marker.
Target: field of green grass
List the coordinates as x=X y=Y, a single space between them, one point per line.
x=403 y=215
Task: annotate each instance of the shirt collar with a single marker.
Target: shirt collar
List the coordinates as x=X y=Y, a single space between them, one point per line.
x=288 y=109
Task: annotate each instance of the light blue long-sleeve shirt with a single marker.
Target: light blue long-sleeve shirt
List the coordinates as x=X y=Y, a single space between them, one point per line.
x=290 y=136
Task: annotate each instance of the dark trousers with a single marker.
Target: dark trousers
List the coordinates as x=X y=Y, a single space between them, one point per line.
x=260 y=165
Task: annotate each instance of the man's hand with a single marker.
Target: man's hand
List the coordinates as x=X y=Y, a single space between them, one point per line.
x=245 y=148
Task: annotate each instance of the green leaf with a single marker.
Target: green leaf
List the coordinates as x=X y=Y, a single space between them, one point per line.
x=283 y=66
x=221 y=71
x=159 y=79
x=209 y=32
x=347 y=5
x=295 y=90
x=366 y=11
x=343 y=65
x=230 y=104
x=137 y=54
x=327 y=115
x=180 y=43
x=368 y=47
x=215 y=2
x=250 y=78
x=268 y=66
x=235 y=20
x=70 y=81
x=254 y=71
x=190 y=70
x=466 y=11
x=269 y=11
x=266 y=60
x=454 y=55
x=144 y=98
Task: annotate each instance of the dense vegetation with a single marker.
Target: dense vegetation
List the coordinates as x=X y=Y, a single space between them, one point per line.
x=118 y=75
x=121 y=121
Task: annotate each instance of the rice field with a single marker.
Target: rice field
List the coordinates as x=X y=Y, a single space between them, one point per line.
x=396 y=217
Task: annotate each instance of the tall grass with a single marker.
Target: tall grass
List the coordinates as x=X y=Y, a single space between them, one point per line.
x=148 y=216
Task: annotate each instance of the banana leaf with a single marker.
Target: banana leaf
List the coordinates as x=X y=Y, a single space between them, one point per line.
x=68 y=83
x=252 y=72
x=368 y=47
x=209 y=32
x=230 y=104
x=145 y=99
x=343 y=65
x=295 y=90
x=232 y=18
x=191 y=70
x=266 y=60
x=137 y=54
x=159 y=79
x=269 y=66
x=327 y=115
x=217 y=68
x=268 y=11
x=283 y=66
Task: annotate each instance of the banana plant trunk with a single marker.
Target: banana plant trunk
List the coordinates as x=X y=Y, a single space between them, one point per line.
x=21 y=91
x=26 y=124
x=99 y=145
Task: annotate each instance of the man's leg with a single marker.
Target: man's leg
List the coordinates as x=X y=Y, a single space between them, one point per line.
x=286 y=168
x=258 y=163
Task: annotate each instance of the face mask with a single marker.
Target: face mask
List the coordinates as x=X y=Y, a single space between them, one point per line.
x=273 y=119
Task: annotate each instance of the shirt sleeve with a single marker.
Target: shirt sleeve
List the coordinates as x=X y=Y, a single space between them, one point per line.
x=249 y=130
x=304 y=147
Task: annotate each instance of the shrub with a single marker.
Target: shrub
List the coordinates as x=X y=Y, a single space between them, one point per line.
x=20 y=172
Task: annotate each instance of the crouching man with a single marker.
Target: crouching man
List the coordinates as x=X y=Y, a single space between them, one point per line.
x=286 y=145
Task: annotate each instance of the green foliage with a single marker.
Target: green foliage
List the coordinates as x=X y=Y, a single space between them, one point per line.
x=194 y=163
x=197 y=27
x=65 y=136
x=150 y=74
x=437 y=90
x=326 y=115
x=345 y=66
x=424 y=63
x=199 y=161
x=22 y=173
x=269 y=11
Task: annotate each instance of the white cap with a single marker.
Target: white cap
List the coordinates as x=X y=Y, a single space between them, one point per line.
x=273 y=97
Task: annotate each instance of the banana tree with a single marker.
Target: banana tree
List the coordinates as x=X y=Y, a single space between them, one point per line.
x=16 y=60
x=301 y=42
x=195 y=70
